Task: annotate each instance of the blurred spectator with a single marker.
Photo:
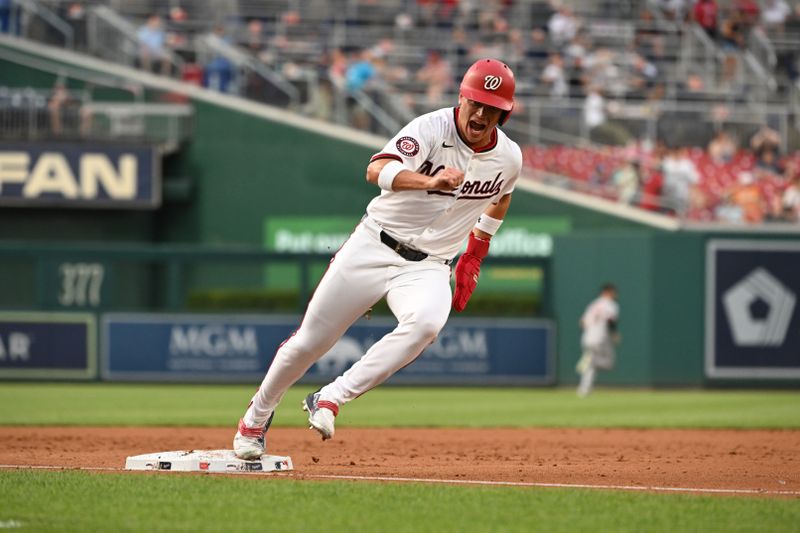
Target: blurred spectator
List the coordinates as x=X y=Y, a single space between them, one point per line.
x=575 y=52
x=627 y=180
x=360 y=72
x=749 y=11
x=705 y=14
x=673 y=9
x=765 y=139
x=601 y=130
x=747 y=196
x=10 y=17
x=459 y=49
x=179 y=30
x=426 y=12
x=74 y=13
x=488 y=13
x=66 y=113
x=403 y=21
x=554 y=77
x=767 y=160
x=680 y=176
x=600 y=69
x=152 y=45
x=55 y=107
x=722 y=148
x=652 y=187
x=438 y=75
x=563 y=26
x=219 y=72
x=731 y=33
x=5 y=16
x=255 y=41
x=337 y=67
x=775 y=14
x=516 y=48
x=642 y=75
x=383 y=48
x=537 y=47
x=791 y=195
x=647 y=38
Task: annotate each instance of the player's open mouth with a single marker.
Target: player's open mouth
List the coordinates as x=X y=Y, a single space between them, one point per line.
x=475 y=128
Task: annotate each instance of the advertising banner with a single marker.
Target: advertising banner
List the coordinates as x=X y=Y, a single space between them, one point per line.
x=752 y=315
x=207 y=348
x=79 y=175
x=47 y=346
x=520 y=236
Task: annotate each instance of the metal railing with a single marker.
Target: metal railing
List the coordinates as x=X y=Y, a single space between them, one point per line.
x=762 y=49
x=210 y=46
x=381 y=122
x=165 y=124
x=112 y=37
x=699 y=54
x=28 y=114
x=36 y=11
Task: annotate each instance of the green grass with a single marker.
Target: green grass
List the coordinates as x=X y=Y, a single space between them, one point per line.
x=82 y=501
x=79 y=501
x=222 y=405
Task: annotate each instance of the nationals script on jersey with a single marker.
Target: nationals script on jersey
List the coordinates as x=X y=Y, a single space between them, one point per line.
x=437 y=222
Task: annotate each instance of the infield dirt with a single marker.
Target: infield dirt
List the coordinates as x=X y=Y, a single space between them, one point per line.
x=707 y=459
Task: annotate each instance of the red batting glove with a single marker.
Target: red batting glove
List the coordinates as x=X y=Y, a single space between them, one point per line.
x=468 y=269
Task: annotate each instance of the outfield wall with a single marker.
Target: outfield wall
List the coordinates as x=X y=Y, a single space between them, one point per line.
x=665 y=291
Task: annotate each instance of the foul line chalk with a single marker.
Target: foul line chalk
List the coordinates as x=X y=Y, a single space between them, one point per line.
x=558 y=485
x=697 y=490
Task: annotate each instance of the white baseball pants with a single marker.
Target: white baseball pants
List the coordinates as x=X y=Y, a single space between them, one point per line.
x=360 y=274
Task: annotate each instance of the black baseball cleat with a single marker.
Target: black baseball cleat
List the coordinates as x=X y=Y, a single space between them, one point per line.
x=321 y=414
x=250 y=443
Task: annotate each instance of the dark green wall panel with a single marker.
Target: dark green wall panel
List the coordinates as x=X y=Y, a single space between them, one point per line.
x=582 y=262
x=247 y=168
x=678 y=309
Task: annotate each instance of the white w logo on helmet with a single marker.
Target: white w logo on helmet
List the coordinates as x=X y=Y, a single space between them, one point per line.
x=492 y=83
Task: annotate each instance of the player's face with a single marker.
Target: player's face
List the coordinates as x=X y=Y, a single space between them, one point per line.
x=476 y=121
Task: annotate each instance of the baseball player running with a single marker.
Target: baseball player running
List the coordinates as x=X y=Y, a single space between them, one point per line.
x=445 y=177
x=599 y=324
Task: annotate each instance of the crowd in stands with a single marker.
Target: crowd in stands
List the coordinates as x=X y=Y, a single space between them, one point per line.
x=558 y=55
x=724 y=181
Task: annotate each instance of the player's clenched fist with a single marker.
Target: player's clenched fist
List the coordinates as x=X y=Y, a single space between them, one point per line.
x=448 y=179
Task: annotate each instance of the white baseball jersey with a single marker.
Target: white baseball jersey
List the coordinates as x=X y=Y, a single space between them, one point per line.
x=595 y=321
x=437 y=222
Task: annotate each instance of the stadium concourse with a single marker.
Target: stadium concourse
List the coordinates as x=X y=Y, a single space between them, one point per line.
x=667 y=99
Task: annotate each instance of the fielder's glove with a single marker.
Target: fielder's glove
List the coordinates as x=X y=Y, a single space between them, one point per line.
x=468 y=269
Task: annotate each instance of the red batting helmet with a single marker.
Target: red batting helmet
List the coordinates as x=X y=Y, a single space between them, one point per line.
x=490 y=82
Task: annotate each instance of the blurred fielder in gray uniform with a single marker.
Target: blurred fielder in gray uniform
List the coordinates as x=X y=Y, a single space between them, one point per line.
x=599 y=325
